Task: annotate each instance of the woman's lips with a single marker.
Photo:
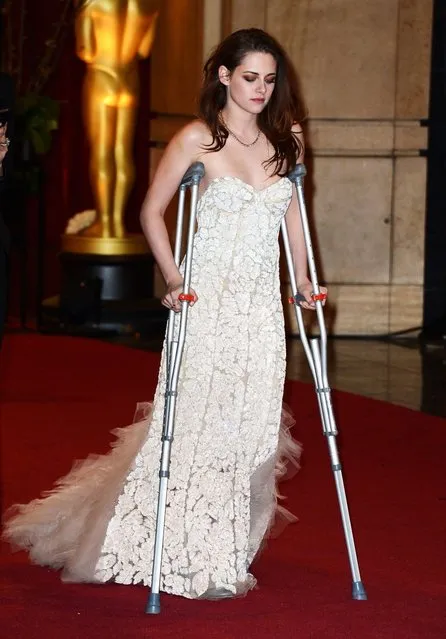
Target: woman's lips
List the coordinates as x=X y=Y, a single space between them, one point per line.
x=259 y=100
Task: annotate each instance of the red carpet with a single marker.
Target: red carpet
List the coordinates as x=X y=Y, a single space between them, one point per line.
x=61 y=396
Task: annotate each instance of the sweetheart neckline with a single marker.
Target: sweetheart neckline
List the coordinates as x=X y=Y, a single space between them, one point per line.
x=234 y=177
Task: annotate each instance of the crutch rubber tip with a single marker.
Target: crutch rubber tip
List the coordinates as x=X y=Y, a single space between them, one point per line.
x=153 y=604
x=359 y=592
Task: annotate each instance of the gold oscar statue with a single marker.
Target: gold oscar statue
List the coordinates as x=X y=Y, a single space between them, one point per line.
x=111 y=37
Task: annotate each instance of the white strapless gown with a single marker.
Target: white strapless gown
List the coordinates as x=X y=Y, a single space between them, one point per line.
x=99 y=521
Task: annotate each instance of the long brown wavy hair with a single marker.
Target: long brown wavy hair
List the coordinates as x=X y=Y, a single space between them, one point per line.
x=280 y=114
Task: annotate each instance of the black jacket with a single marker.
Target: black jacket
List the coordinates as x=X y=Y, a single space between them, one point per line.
x=6 y=113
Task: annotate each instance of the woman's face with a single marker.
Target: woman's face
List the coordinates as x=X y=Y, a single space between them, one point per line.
x=251 y=84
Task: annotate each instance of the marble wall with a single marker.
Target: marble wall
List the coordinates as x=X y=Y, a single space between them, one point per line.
x=364 y=72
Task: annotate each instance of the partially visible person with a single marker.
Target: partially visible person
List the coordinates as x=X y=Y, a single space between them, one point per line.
x=6 y=103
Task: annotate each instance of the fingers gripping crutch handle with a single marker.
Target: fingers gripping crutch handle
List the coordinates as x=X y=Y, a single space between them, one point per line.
x=298 y=298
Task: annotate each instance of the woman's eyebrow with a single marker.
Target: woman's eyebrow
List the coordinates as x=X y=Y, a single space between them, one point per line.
x=255 y=73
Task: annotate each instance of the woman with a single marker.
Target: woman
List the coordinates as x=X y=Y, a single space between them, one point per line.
x=99 y=524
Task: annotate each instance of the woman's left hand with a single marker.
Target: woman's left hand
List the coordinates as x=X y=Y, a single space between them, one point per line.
x=306 y=289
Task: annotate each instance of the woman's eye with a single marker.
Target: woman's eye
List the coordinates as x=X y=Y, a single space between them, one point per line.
x=271 y=81
x=249 y=79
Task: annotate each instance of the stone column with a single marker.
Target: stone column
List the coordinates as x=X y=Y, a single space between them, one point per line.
x=187 y=31
x=364 y=71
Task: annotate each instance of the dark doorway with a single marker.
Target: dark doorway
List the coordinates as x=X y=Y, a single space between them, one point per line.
x=434 y=320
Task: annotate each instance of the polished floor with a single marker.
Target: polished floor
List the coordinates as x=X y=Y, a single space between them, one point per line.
x=403 y=372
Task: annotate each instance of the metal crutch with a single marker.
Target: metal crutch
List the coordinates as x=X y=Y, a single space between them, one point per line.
x=316 y=352
x=174 y=352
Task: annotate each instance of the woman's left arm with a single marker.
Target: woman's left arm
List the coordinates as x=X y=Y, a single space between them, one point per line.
x=297 y=241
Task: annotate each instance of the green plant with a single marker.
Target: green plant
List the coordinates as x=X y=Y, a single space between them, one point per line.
x=37 y=116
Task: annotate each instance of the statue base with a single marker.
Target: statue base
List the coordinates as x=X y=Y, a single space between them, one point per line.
x=105 y=294
x=130 y=244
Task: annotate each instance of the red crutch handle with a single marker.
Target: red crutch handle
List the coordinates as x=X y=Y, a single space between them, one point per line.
x=320 y=297
x=186 y=297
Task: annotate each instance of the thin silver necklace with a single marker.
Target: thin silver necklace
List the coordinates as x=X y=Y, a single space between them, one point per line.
x=247 y=144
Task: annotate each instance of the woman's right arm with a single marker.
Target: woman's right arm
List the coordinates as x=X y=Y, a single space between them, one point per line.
x=180 y=153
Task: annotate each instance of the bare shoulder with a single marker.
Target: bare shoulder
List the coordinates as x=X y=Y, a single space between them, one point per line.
x=193 y=136
x=297 y=130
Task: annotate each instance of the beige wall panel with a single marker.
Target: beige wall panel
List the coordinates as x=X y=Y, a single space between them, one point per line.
x=352 y=310
x=212 y=25
x=350 y=137
x=410 y=137
x=163 y=127
x=414 y=51
x=246 y=13
x=406 y=308
x=177 y=57
x=351 y=204
x=344 y=51
x=409 y=220
x=365 y=310
x=393 y=372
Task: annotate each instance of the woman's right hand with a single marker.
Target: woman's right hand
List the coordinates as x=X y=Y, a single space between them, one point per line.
x=170 y=299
